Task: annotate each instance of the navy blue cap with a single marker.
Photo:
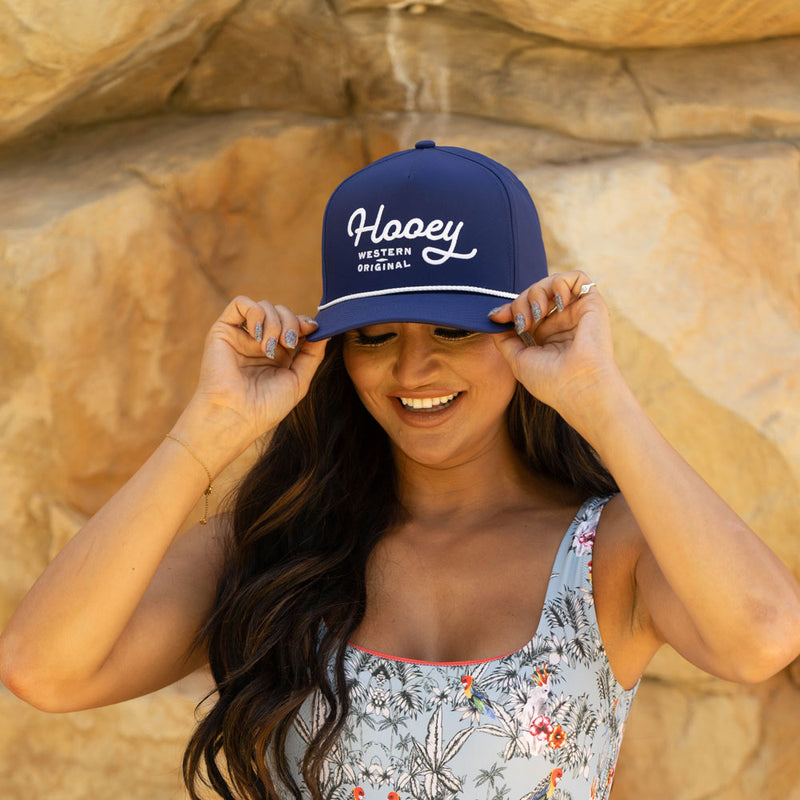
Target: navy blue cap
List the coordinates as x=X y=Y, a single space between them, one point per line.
x=439 y=235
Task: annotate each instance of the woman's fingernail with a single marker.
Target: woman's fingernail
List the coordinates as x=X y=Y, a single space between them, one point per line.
x=536 y=310
x=272 y=347
x=519 y=323
x=309 y=321
x=494 y=311
x=559 y=303
x=291 y=339
x=258 y=334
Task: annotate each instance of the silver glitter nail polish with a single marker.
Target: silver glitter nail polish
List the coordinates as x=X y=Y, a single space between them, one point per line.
x=559 y=303
x=519 y=323
x=258 y=334
x=536 y=310
x=272 y=347
x=291 y=339
x=494 y=311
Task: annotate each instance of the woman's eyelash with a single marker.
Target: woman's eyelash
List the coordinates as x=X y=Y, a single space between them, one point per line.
x=372 y=341
x=452 y=333
x=365 y=340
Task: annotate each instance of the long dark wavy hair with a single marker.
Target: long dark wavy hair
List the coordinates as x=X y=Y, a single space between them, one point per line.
x=293 y=588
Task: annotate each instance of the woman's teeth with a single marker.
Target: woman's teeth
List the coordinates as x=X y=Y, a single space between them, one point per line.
x=428 y=402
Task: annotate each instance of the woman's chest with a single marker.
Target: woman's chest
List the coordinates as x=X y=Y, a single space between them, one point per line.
x=470 y=603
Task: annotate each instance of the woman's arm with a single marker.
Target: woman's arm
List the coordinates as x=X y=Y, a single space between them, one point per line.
x=116 y=612
x=710 y=587
x=105 y=622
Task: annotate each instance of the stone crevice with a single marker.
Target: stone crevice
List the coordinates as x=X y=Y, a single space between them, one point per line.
x=627 y=68
x=187 y=240
x=147 y=180
x=331 y=6
x=211 y=36
x=173 y=212
x=514 y=53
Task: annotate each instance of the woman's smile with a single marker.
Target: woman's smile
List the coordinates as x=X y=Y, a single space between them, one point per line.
x=429 y=403
x=429 y=411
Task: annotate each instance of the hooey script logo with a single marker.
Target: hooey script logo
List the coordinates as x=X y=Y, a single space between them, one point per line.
x=434 y=230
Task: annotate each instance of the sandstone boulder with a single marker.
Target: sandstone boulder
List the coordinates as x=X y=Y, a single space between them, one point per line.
x=79 y=62
x=744 y=90
x=445 y=62
x=288 y=55
x=518 y=146
x=775 y=761
x=59 y=69
x=693 y=743
x=623 y=23
x=131 y=751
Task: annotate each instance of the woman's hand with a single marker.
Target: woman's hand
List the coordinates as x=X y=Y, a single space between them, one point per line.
x=569 y=357
x=257 y=365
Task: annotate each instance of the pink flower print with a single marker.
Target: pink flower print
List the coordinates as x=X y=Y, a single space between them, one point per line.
x=541 y=728
x=583 y=539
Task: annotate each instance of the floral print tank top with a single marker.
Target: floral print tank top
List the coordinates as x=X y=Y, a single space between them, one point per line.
x=544 y=722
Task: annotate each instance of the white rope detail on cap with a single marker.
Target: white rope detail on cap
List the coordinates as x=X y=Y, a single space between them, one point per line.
x=405 y=289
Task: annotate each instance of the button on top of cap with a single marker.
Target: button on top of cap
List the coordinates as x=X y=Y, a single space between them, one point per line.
x=425 y=144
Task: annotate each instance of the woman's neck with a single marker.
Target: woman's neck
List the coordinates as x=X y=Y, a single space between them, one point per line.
x=463 y=494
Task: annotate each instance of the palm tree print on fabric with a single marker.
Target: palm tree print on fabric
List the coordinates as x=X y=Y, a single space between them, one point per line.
x=543 y=723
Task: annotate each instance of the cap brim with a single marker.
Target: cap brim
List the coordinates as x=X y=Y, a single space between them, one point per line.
x=451 y=309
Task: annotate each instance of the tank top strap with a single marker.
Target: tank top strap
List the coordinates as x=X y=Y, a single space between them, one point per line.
x=572 y=568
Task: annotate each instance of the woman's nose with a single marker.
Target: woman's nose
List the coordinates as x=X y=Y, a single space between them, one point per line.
x=417 y=360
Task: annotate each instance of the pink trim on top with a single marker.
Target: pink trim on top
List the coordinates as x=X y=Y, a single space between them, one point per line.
x=432 y=663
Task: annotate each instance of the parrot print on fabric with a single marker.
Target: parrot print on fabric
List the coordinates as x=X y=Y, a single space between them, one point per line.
x=547 y=786
x=475 y=697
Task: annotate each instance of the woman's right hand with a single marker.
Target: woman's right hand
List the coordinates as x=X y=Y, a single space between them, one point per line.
x=257 y=365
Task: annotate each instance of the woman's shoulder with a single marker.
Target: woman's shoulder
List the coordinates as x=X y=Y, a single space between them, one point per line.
x=619 y=538
x=615 y=517
x=618 y=545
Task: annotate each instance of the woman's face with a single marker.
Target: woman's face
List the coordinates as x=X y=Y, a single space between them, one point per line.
x=439 y=393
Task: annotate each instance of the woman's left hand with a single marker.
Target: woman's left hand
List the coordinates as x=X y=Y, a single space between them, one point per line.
x=568 y=362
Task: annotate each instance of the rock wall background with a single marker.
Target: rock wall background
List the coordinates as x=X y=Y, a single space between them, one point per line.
x=157 y=158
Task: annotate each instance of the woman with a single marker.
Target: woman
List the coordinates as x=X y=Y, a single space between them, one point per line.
x=428 y=586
